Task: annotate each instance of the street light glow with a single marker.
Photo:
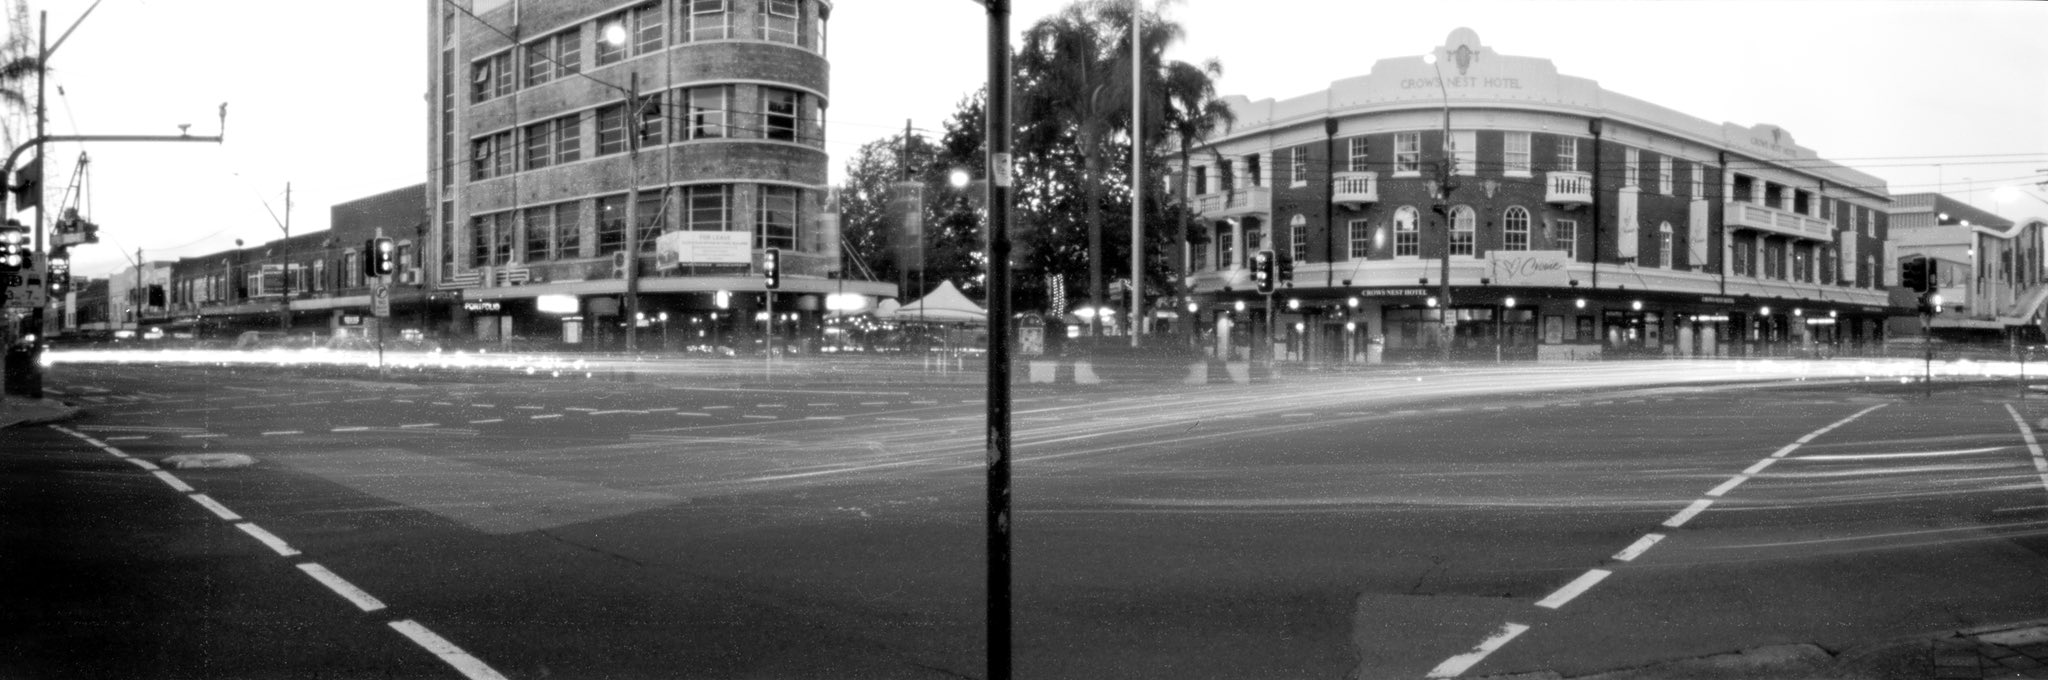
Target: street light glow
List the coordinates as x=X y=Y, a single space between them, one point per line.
x=959 y=178
x=615 y=34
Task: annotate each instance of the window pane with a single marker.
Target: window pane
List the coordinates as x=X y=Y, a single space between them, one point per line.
x=777 y=218
x=650 y=28
x=1358 y=153
x=778 y=111
x=606 y=52
x=653 y=220
x=708 y=208
x=1463 y=220
x=705 y=111
x=1361 y=239
x=1408 y=152
x=707 y=20
x=1407 y=239
x=568 y=230
x=611 y=130
x=539 y=138
x=568 y=138
x=611 y=224
x=540 y=225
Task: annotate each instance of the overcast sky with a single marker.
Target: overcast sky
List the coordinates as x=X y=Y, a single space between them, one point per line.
x=330 y=96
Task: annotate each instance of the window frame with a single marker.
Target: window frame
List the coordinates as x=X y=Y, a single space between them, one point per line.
x=769 y=203
x=1464 y=231
x=1407 y=241
x=1566 y=234
x=568 y=233
x=773 y=26
x=611 y=130
x=1664 y=184
x=1664 y=245
x=1297 y=167
x=1407 y=154
x=1360 y=148
x=795 y=101
x=1517 y=163
x=695 y=27
x=697 y=123
x=1297 y=238
x=696 y=205
x=1465 y=162
x=611 y=228
x=1360 y=239
x=1515 y=229
x=539 y=222
x=1631 y=167
x=1567 y=153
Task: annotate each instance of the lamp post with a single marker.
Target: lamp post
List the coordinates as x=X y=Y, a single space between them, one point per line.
x=664 y=331
x=998 y=400
x=1446 y=183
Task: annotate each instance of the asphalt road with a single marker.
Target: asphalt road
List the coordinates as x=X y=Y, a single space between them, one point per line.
x=1395 y=524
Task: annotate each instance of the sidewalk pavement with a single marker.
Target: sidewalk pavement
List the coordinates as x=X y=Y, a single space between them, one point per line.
x=19 y=410
x=2013 y=650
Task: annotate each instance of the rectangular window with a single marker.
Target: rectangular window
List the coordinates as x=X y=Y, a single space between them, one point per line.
x=1566 y=238
x=653 y=219
x=540 y=145
x=778 y=113
x=503 y=238
x=1358 y=153
x=479 y=243
x=1567 y=154
x=491 y=77
x=568 y=230
x=708 y=208
x=705 y=20
x=778 y=20
x=1251 y=168
x=1408 y=152
x=554 y=56
x=319 y=275
x=1226 y=245
x=776 y=218
x=491 y=156
x=1361 y=239
x=650 y=29
x=1664 y=245
x=540 y=226
x=605 y=51
x=1464 y=231
x=653 y=121
x=611 y=129
x=1515 y=156
x=1297 y=168
x=1465 y=152
x=611 y=224
x=1664 y=175
x=704 y=111
x=1297 y=242
x=1407 y=233
x=1699 y=181
x=1631 y=167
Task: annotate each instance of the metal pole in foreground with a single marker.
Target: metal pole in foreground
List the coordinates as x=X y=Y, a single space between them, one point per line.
x=998 y=135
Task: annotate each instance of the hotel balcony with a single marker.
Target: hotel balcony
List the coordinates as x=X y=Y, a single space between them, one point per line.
x=1568 y=188
x=1752 y=216
x=1236 y=202
x=1356 y=189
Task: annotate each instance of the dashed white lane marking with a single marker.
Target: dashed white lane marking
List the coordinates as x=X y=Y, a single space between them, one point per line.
x=663 y=409
x=693 y=413
x=825 y=404
x=545 y=416
x=824 y=417
x=1577 y=587
x=127 y=437
x=342 y=587
x=579 y=408
x=1636 y=549
x=307 y=403
x=1687 y=514
x=274 y=433
x=443 y=403
x=531 y=408
x=874 y=403
x=487 y=420
x=768 y=406
x=2033 y=445
x=1729 y=485
x=1457 y=665
x=484 y=405
x=413 y=425
x=401 y=401
x=216 y=507
x=714 y=408
x=146 y=465
x=203 y=436
x=351 y=401
x=269 y=539
x=173 y=481
x=351 y=429
x=1283 y=415
x=757 y=417
x=620 y=410
x=468 y=665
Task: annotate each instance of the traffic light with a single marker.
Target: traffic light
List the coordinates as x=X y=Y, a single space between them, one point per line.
x=13 y=245
x=1930 y=303
x=1914 y=275
x=382 y=258
x=58 y=279
x=1286 y=267
x=771 y=268
x=1262 y=270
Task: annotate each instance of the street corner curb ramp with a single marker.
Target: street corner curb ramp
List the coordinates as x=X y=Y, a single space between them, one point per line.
x=1134 y=371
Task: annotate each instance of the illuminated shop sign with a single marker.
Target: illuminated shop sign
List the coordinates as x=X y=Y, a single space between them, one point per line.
x=491 y=306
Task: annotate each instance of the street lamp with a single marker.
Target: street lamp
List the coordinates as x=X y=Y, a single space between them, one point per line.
x=1446 y=183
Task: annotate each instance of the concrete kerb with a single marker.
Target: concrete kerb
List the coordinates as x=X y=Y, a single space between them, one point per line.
x=21 y=412
x=1084 y=372
x=1901 y=658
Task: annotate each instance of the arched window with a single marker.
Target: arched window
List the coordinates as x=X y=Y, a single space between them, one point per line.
x=1515 y=235
x=1407 y=237
x=1464 y=230
x=1664 y=245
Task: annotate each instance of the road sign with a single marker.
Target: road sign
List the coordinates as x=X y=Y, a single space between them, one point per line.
x=380 y=299
x=23 y=289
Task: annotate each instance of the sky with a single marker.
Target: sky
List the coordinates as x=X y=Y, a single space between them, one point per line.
x=330 y=97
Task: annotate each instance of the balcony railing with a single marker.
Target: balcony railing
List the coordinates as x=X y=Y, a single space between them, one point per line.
x=1568 y=188
x=1753 y=216
x=1355 y=189
x=1246 y=201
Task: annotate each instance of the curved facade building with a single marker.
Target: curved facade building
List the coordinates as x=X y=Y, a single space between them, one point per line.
x=571 y=136
x=1579 y=222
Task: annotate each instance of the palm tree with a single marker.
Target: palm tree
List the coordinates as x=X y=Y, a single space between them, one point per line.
x=19 y=63
x=1192 y=114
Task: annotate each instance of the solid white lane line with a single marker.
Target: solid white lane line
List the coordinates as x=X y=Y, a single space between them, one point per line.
x=1884 y=456
x=662 y=409
x=1685 y=515
x=216 y=507
x=269 y=539
x=146 y=465
x=545 y=416
x=468 y=665
x=173 y=481
x=1636 y=549
x=1729 y=485
x=2033 y=445
x=274 y=433
x=487 y=420
x=342 y=587
x=1577 y=587
x=893 y=418
x=1457 y=665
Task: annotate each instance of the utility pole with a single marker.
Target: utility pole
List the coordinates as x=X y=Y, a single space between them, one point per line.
x=284 y=309
x=998 y=398
x=1136 y=289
